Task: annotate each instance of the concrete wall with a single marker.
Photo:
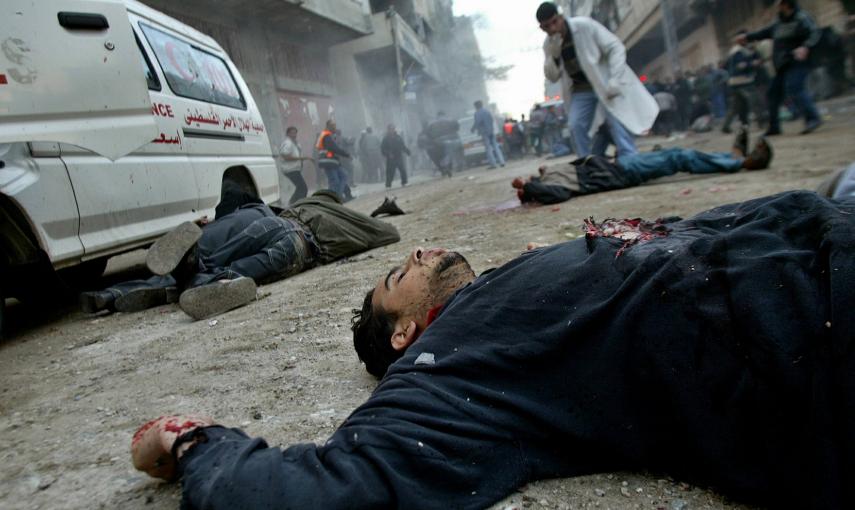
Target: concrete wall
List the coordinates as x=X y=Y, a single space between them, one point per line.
x=711 y=42
x=349 y=13
x=699 y=48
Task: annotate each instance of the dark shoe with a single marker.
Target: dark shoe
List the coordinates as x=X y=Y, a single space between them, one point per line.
x=772 y=132
x=726 y=130
x=740 y=143
x=491 y=167
x=811 y=126
x=170 y=250
x=218 y=297
x=760 y=157
x=142 y=299
x=94 y=302
x=387 y=207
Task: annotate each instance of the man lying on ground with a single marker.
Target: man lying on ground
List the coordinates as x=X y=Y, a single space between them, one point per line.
x=717 y=351
x=595 y=174
x=246 y=244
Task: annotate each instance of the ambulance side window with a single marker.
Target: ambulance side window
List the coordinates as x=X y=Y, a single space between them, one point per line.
x=193 y=72
x=150 y=77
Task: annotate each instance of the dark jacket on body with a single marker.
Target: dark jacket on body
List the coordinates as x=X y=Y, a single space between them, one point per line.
x=720 y=354
x=788 y=34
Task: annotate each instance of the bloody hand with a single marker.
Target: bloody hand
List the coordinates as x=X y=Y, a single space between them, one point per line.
x=151 y=446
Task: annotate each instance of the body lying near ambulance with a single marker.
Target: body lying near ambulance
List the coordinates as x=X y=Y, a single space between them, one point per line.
x=117 y=123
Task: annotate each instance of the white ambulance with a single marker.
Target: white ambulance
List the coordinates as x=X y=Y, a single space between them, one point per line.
x=117 y=123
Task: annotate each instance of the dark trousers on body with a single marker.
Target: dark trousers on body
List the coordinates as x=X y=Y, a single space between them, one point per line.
x=392 y=164
x=790 y=82
x=740 y=104
x=301 y=191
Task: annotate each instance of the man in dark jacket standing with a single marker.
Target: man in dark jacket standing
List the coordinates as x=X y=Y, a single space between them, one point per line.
x=715 y=349
x=393 y=149
x=795 y=35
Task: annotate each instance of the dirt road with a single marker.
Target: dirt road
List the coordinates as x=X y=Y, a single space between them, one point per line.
x=75 y=387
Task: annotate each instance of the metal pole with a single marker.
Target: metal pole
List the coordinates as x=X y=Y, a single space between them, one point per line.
x=393 y=18
x=669 y=29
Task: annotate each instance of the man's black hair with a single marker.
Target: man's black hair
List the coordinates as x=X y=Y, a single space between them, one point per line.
x=546 y=11
x=478 y=104
x=372 y=337
x=290 y=128
x=233 y=197
x=794 y=4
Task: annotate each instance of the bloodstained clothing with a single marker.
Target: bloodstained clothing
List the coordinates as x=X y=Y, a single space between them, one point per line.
x=719 y=353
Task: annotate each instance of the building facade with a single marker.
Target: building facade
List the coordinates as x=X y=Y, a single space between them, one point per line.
x=703 y=28
x=419 y=60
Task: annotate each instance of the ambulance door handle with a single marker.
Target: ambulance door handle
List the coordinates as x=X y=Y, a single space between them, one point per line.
x=83 y=21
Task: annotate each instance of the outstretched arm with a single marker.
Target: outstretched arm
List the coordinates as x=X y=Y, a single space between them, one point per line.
x=407 y=447
x=763 y=33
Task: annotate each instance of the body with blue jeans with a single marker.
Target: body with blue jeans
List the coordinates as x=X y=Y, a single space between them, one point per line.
x=248 y=239
x=484 y=126
x=794 y=36
x=595 y=174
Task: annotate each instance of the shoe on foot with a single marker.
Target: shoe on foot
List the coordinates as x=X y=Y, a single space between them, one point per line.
x=387 y=207
x=811 y=126
x=218 y=297
x=491 y=167
x=760 y=157
x=138 y=300
x=740 y=143
x=94 y=302
x=168 y=251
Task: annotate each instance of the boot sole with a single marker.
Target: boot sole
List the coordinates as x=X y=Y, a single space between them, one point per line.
x=215 y=298
x=168 y=251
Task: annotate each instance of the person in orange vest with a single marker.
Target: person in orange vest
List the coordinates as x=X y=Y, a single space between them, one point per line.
x=328 y=159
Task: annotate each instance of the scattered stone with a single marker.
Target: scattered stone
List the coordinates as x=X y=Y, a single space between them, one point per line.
x=212 y=323
x=600 y=492
x=256 y=415
x=625 y=492
x=679 y=504
x=45 y=483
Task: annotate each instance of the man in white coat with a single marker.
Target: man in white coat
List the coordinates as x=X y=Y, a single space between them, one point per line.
x=590 y=61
